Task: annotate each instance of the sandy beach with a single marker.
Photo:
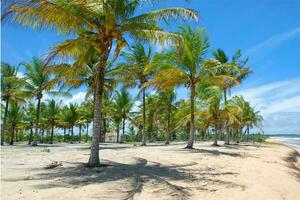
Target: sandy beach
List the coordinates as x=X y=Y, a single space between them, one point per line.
x=254 y=171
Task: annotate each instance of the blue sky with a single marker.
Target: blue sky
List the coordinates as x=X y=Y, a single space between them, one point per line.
x=267 y=31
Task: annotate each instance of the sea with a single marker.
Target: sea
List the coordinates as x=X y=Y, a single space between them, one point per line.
x=290 y=140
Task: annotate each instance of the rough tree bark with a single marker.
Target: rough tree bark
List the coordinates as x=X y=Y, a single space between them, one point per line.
x=144 y=118
x=4 y=122
x=192 y=123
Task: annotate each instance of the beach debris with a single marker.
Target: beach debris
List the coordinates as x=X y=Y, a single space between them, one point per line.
x=54 y=164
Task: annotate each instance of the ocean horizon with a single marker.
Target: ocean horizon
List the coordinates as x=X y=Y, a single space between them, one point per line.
x=288 y=139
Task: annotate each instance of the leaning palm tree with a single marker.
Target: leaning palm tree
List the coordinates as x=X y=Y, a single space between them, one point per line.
x=37 y=81
x=97 y=25
x=123 y=103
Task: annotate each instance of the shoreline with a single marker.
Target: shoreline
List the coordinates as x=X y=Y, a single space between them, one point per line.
x=245 y=171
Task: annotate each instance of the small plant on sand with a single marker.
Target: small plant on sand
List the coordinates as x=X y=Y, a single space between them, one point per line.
x=46 y=150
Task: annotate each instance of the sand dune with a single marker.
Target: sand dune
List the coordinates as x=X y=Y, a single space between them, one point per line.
x=260 y=171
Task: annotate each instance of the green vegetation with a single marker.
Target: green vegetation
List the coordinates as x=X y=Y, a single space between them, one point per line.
x=97 y=27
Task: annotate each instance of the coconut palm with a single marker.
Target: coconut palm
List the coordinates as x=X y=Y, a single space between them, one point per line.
x=10 y=91
x=52 y=111
x=97 y=24
x=183 y=66
x=62 y=120
x=123 y=103
x=216 y=114
x=29 y=118
x=135 y=73
x=15 y=115
x=86 y=115
x=72 y=117
x=166 y=99
x=37 y=81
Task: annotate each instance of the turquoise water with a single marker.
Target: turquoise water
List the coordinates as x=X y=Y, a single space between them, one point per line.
x=293 y=141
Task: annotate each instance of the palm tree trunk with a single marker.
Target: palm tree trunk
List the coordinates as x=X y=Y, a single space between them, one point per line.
x=52 y=134
x=168 y=127
x=94 y=160
x=123 y=130
x=216 y=137
x=17 y=139
x=42 y=136
x=38 y=111
x=144 y=117
x=4 y=122
x=31 y=133
x=72 y=134
x=65 y=134
x=80 y=133
x=12 y=134
x=118 y=132
x=227 y=141
x=192 y=123
x=87 y=132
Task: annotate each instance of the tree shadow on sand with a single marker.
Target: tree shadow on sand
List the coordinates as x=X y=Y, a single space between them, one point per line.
x=136 y=175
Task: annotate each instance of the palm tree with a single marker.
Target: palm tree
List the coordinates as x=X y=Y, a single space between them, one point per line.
x=123 y=103
x=135 y=72
x=97 y=24
x=15 y=115
x=166 y=99
x=72 y=117
x=52 y=111
x=10 y=90
x=238 y=70
x=30 y=115
x=37 y=81
x=85 y=112
x=215 y=114
x=63 y=120
x=183 y=66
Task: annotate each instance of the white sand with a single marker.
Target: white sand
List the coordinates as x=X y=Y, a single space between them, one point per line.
x=152 y=172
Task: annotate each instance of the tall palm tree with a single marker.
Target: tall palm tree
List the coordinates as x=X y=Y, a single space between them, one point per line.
x=97 y=24
x=123 y=103
x=238 y=70
x=135 y=72
x=37 y=81
x=10 y=90
x=182 y=65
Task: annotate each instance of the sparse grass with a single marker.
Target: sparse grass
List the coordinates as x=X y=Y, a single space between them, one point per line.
x=46 y=150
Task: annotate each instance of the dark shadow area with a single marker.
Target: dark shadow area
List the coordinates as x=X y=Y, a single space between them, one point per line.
x=292 y=158
x=212 y=152
x=136 y=175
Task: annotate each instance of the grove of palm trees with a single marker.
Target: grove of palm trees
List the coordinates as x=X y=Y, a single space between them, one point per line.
x=150 y=116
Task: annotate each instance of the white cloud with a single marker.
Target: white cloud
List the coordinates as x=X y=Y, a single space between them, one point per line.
x=77 y=98
x=272 y=42
x=20 y=74
x=279 y=103
x=282 y=96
